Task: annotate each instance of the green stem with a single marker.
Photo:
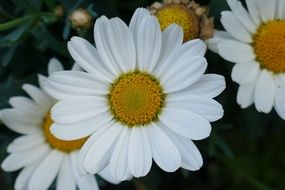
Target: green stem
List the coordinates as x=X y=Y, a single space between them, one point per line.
x=25 y=19
x=16 y=22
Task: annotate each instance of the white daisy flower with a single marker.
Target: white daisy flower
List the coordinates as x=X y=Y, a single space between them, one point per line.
x=144 y=96
x=42 y=156
x=254 y=40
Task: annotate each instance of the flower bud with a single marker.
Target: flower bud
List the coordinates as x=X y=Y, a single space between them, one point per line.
x=58 y=11
x=80 y=19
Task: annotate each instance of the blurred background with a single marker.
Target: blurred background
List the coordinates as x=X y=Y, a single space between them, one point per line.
x=245 y=150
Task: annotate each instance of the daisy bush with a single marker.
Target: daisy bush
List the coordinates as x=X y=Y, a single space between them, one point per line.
x=142 y=95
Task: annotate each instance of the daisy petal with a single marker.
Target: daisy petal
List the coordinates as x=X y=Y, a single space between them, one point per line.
x=26 y=106
x=65 y=179
x=279 y=103
x=103 y=44
x=140 y=158
x=190 y=70
x=267 y=9
x=185 y=123
x=281 y=9
x=171 y=38
x=236 y=52
x=77 y=109
x=66 y=84
x=139 y=15
x=245 y=72
x=25 y=142
x=76 y=67
x=86 y=182
x=197 y=47
x=264 y=92
x=183 y=53
x=54 y=66
x=46 y=172
x=165 y=153
x=23 y=178
x=18 y=160
x=106 y=175
x=100 y=151
x=242 y=15
x=245 y=94
x=21 y=123
x=41 y=98
x=206 y=107
x=148 y=44
x=234 y=27
x=20 y=117
x=253 y=11
x=118 y=166
x=86 y=55
x=86 y=147
x=191 y=157
x=219 y=36
x=123 y=48
x=42 y=79
x=79 y=130
x=209 y=85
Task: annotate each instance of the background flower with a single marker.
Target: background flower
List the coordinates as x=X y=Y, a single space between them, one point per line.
x=254 y=41
x=192 y=17
x=42 y=157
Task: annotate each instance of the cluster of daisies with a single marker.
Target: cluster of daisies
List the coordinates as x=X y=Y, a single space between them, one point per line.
x=141 y=94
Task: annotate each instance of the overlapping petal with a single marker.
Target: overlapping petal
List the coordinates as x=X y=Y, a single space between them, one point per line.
x=66 y=84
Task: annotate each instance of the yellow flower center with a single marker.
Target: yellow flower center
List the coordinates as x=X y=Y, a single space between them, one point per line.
x=181 y=15
x=136 y=98
x=269 y=45
x=54 y=142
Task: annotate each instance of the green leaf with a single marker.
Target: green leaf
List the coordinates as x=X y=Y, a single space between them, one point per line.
x=47 y=40
x=15 y=35
x=17 y=22
x=217 y=141
x=8 y=55
x=48 y=17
